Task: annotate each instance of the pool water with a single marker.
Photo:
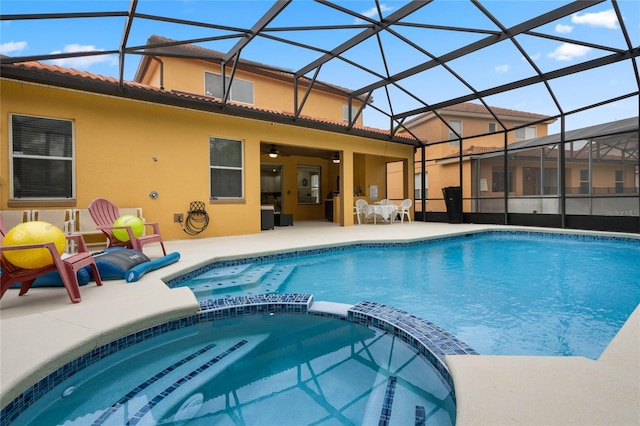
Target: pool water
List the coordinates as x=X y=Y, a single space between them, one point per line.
x=281 y=369
x=502 y=293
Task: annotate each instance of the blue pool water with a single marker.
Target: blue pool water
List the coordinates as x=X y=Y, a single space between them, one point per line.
x=502 y=293
x=282 y=369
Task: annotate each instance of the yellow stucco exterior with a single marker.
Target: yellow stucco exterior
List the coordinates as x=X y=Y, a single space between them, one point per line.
x=125 y=149
x=268 y=92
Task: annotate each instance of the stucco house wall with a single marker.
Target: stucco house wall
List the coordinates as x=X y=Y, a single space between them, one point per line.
x=117 y=142
x=188 y=75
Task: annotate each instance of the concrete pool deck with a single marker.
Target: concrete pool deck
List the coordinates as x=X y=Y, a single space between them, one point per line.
x=43 y=330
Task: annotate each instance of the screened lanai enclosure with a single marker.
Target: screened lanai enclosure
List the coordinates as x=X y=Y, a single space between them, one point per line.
x=572 y=64
x=583 y=179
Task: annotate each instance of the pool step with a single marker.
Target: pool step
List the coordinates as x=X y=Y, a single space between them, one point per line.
x=224 y=272
x=250 y=279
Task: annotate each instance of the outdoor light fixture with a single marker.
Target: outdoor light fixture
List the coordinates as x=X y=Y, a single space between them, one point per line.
x=336 y=158
x=273 y=152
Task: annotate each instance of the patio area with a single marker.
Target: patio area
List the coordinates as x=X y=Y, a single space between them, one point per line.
x=43 y=331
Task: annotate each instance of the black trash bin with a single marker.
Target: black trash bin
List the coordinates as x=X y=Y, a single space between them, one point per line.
x=453 y=200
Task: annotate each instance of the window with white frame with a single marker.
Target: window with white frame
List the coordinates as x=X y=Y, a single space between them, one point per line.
x=226 y=170
x=456 y=127
x=42 y=158
x=524 y=133
x=345 y=112
x=492 y=127
x=240 y=91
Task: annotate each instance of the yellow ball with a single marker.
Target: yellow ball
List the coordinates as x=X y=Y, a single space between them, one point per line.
x=35 y=232
x=134 y=222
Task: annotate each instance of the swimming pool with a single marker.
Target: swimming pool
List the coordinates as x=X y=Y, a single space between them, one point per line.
x=284 y=367
x=503 y=293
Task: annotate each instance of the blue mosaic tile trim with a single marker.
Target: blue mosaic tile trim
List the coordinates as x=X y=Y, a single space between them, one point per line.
x=107 y=413
x=331 y=315
x=387 y=404
x=421 y=416
x=430 y=341
x=321 y=250
x=232 y=307
x=561 y=235
x=277 y=300
x=176 y=385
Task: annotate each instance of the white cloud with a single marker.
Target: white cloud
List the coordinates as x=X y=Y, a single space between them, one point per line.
x=605 y=19
x=12 y=46
x=564 y=29
x=533 y=57
x=568 y=51
x=82 y=62
x=373 y=12
x=501 y=69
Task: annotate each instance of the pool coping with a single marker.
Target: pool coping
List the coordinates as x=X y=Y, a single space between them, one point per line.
x=91 y=323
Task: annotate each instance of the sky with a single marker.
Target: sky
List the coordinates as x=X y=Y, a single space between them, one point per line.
x=495 y=65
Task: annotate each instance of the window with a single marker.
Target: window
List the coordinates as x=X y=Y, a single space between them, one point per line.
x=525 y=133
x=619 y=181
x=309 y=185
x=241 y=90
x=584 y=181
x=498 y=179
x=418 y=186
x=42 y=160
x=226 y=168
x=345 y=112
x=457 y=126
x=492 y=127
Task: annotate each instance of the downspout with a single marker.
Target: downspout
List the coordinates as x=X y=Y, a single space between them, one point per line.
x=155 y=58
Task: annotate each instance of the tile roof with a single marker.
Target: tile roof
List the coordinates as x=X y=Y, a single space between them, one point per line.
x=474 y=108
x=474 y=150
x=471 y=107
x=72 y=78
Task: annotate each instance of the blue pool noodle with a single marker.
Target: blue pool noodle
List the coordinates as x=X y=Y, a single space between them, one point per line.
x=135 y=273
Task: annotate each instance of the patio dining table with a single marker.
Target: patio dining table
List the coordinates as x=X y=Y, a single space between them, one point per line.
x=388 y=212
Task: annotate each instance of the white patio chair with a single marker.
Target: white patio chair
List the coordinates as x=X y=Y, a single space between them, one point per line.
x=63 y=219
x=358 y=209
x=405 y=210
x=12 y=218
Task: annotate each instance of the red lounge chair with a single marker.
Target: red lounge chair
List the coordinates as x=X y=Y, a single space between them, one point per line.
x=67 y=267
x=104 y=213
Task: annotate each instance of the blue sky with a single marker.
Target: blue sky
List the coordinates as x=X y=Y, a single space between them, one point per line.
x=495 y=65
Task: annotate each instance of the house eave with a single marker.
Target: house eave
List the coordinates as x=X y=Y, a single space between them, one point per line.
x=198 y=103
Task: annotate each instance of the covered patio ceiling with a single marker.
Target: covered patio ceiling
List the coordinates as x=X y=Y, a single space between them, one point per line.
x=405 y=58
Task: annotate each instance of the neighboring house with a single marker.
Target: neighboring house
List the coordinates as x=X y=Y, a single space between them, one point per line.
x=600 y=173
x=469 y=128
x=72 y=136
